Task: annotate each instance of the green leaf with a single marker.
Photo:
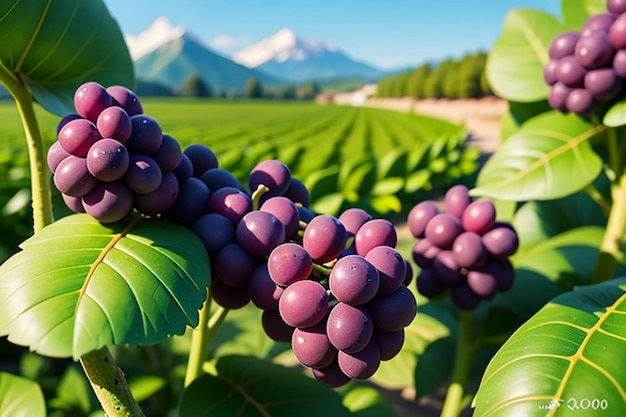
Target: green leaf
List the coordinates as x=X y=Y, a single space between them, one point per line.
x=53 y=47
x=73 y=392
x=365 y=401
x=515 y=64
x=20 y=397
x=245 y=386
x=549 y=157
x=576 y=12
x=145 y=386
x=616 y=114
x=79 y=285
x=569 y=354
x=387 y=186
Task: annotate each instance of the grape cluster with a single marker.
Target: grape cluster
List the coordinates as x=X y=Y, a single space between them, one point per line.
x=588 y=67
x=462 y=249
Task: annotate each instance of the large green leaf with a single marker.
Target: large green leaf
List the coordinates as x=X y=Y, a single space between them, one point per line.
x=576 y=12
x=54 y=46
x=515 y=64
x=366 y=401
x=549 y=157
x=567 y=360
x=78 y=285
x=20 y=397
x=246 y=386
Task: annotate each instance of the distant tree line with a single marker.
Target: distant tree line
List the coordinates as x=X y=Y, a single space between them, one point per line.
x=453 y=79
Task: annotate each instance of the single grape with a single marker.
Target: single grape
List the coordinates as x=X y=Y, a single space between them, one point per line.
x=558 y=96
x=288 y=263
x=143 y=175
x=479 y=217
x=306 y=215
x=580 y=101
x=234 y=266
x=109 y=201
x=571 y=72
x=78 y=135
x=564 y=44
x=377 y=232
x=126 y=99
x=419 y=216
x=275 y=327
x=349 y=328
x=146 y=136
x=108 y=160
x=619 y=63
x=114 y=123
x=161 y=199
x=216 y=178
x=228 y=296
x=90 y=99
x=428 y=285
x=353 y=218
x=601 y=22
x=389 y=343
x=191 y=203
x=469 y=251
x=65 y=120
x=311 y=346
x=215 y=231
x=424 y=252
x=393 y=311
x=324 y=238
x=603 y=83
x=616 y=6
x=501 y=241
x=595 y=50
x=446 y=269
x=353 y=280
x=443 y=229
x=72 y=177
x=73 y=203
x=362 y=364
x=259 y=232
x=262 y=290
x=169 y=154
x=617 y=32
x=286 y=211
x=184 y=169
x=272 y=173
x=303 y=303
x=231 y=203
x=202 y=158
x=482 y=282
x=390 y=266
x=56 y=154
x=503 y=270
x=456 y=200
x=464 y=297
x=298 y=193
x=549 y=72
x=331 y=375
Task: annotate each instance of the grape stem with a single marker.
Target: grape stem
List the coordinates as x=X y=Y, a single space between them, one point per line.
x=256 y=196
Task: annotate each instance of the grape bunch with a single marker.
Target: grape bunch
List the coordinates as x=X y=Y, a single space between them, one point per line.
x=462 y=249
x=587 y=68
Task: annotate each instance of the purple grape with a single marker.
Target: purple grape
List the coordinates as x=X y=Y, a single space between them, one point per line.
x=353 y=280
x=202 y=158
x=464 y=297
x=231 y=203
x=306 y=215
x=78 y=135
x=616 y=6
x=456 y=200
x=424 y=252
x=191 y=203
x=571 y=72
x=262 y=290
x=109 y=201
x=419 y=216
x=228 y=296
x=216 y=178
x=275 y=327
x=377 y=232
x=503 y=270
x=161 y=199
x=73 y=203
x=479 y=217
x=234 y=266
x=215 y=231
x=65 y=120
x=482 y=282
x=286 y=211
x=558 y=96
x=108 y=160
x=468 y=250
x=428 y=285
x=331 y=375
x=298 y=193
x=595 y=50
x=72 y=177
x=601 y=22
x=390 y=266
x=169 y=154
x=501 y=241
x=90 y=99
x=126 y=99
x=303 y=303
x=362 y=364
x=273 y=174
x=114 y=123
x=146 y=136
x=311 y=346
x=619 y=63
x=143 y=175
x=288 y=263
x=580 y=101
x=443 y=229
x=549 y=72
x=353 y=218
x=446 y=269
x=603 y=83
x=324 y=238
x=389 y=343
x=56 y=154
x=408 y=276
x=564 y=44
x=259 y=232
x=393 y=311
x=184 y=169
x=617 y=32
x=349 y=328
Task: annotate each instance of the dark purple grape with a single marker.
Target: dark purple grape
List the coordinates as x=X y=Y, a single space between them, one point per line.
x=479 y=217
x=501 y=241
x=408 y=276
x=619 y=63
x=443 y=229
x=56 y=154
x=362 y=364
x=324 y=238
x=464 y=297
x=424 y=252
x=109 y=201
x=65 y=120
x=303 y=303
x=353 y=218
x=216 y=178
x=482 y=282
x=298 y=193
x=90 y=99
x=231 y=203
x=503 y=270
x=273 y=174
x=393 y=311
x=275 y=327
x=169 y=154
x=286 y=211
x=184 y=169
x=549 y=72
x=419 y=216
x=191 y=203
x=126 y=99
x=78 y=135
x=377 y=232
x=616 y=6
x=215 y=231
x=349 y=328
x=564 y=44
x=390 y=266
x=617 y=32
x=262 y=290
x=445 y=268
x=331 y=375
x=571 y=72
x=469 y=251
x=114 y=123
x=389 y=343
x=146 y=136
x=234 y=266
x=353 y=280
x=73 y=203
x=202 y=158
x=595 y=50
x=580 y=101
x=456 y=200
x=72 y=177
x=603 y=83
x=161 y=199
x=108 y=160
x=428 y=285
x=311 y=346
x=228 y=296
x=288 y=263
x=558 y=96
x=143 y=175
x=600 y=21
x=259 y=232
x=306 y=215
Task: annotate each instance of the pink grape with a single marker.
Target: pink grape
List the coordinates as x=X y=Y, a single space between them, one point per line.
x=78 y=135
x=262 y=290
x=468 y=250
x=456 y=200
x=90 y=99
x=108 y=160
x=56 y=154
x=114 y=123
x=259 y=232
x=353 y=280
x=126 y=99
x=109 y=201
x=272 y=173
x=303 y=303
x=231 y=203
x=479 y=217
x=390 y=266
x=564 y=44
x=419 y=216
x=72 y=177
x=288 y=263
x=285 y=211
x=362 y=364
x=324 y=238
x=146 y=136
x=298 y=193
x=169 y=154
x=311 y=346
x=376 y=232
x=143 y=175
x=161 y=199
x=443 y=229
x=353 y=218
x=349 y=328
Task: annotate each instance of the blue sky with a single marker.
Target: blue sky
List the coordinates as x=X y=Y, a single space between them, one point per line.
x=387 y=34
